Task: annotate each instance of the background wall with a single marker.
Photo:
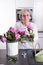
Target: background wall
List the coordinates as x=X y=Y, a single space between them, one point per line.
x=7 y=17
x=24 y=3
x=7 y=14
x=38 y=14
x=38 y=18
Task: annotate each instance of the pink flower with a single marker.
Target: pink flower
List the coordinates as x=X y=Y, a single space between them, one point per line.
x=3 y=39
x=18 y=30
x=21 y=32
x=26 y=33
x=17 y=36
x=30 y=27
x=12 y=29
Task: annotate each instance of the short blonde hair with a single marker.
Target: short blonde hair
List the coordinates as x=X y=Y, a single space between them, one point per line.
x=23 y=10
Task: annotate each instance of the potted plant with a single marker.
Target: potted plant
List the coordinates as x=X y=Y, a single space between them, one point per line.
x=13 y=36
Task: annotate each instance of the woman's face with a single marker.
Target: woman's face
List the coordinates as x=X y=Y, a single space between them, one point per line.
x=25 y=17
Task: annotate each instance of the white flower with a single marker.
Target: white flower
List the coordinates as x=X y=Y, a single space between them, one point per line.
x=31 y=31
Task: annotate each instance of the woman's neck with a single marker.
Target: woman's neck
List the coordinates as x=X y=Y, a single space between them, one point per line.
x=26 y=24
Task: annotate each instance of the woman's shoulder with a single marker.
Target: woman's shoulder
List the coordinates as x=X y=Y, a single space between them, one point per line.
x=33 y=24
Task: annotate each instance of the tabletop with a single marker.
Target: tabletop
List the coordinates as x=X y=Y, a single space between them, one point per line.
x=25 y=57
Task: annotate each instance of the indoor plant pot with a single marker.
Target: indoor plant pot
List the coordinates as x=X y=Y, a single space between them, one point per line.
x=12 y=48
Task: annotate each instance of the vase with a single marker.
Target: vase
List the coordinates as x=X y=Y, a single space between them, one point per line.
x=12 y=49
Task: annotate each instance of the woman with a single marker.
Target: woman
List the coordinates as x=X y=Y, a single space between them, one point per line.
x=25 y=17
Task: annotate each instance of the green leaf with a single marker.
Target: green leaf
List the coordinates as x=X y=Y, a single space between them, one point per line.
x=14 y=59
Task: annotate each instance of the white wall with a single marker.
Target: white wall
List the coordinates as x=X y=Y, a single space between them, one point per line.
x=7 y=14
x=7 y=17
x=38 y=13
x=24 y=3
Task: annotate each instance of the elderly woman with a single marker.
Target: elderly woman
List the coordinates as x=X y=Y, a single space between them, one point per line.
x=25 y=20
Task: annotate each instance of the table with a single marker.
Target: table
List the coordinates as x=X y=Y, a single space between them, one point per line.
x=28 y=59
x=4 y=60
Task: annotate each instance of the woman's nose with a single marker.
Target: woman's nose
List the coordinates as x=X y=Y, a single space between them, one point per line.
x=25 y=16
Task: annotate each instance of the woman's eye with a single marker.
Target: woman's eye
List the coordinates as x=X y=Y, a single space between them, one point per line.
x=27 y=15
x=23 y=15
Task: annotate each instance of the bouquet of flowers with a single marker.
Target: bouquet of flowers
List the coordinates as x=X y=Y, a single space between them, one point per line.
x=13 y=35
x=10 y=36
